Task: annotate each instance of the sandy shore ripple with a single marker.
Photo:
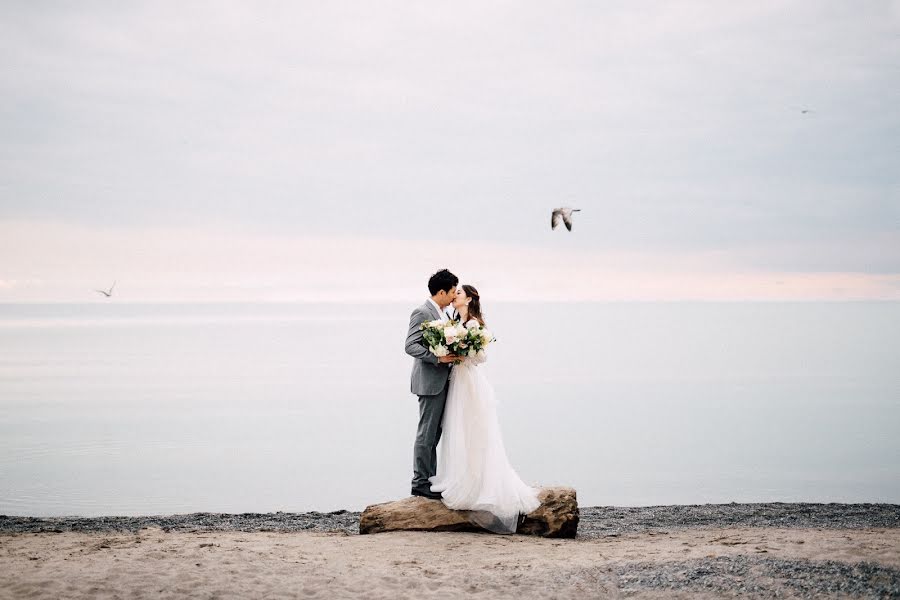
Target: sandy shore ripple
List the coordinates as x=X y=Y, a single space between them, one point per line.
x=707 y=551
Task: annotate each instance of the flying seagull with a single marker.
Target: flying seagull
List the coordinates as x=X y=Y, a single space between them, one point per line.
x=803 y=109
x=105 y=293
x=563 y=215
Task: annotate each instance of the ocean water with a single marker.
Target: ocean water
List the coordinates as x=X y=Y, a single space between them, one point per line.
x=128 y=409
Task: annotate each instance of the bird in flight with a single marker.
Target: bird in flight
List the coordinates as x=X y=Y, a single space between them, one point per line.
x=106 y=293
x=563 y=215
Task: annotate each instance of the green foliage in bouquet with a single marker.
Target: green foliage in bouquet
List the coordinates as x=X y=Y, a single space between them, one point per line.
x=472 y=340
x=452 y=337
x=434 y=336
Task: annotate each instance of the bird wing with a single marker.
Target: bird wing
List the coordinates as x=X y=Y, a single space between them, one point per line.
x=555 y=219
x=102 y=292
x=567 y=219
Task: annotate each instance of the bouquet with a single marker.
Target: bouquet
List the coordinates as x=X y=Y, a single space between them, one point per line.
x=451 y=337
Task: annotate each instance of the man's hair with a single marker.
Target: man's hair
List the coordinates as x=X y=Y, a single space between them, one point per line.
x=442 y=280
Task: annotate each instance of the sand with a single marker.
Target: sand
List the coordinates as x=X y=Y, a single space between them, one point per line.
x=704 y=562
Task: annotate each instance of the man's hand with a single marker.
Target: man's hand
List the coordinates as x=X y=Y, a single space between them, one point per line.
x=450 y=358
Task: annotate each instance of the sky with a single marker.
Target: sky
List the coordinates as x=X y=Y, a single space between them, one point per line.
x=344 y=151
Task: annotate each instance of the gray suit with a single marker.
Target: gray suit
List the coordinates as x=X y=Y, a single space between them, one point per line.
x=429 y=382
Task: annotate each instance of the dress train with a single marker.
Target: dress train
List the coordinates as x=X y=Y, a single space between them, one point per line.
x=473 y=470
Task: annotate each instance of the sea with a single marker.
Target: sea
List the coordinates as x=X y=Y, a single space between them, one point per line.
x=112 y=408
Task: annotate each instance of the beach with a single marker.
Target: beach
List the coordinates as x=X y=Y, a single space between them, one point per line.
x=706 y=551
x=677 y=222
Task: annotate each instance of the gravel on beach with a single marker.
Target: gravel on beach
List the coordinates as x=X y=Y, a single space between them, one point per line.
x=763 y=550
x=595 y=521
x=599 y=521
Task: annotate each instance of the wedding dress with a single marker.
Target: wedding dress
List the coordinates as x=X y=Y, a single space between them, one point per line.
x=473 y=471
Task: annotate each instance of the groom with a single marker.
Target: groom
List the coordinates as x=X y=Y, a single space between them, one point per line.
x=430 y=375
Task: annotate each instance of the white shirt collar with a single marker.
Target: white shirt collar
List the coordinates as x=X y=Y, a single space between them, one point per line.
x=443 y=316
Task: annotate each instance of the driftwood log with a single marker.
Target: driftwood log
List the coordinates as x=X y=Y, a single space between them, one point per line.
x=556 y=517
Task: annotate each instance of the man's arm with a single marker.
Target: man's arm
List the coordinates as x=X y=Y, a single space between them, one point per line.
x=415 y=341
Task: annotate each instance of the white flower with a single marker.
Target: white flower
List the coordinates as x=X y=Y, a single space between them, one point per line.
x=471 y=323
x=440 y=351
x=472 y=353
x=480 y=354
x=450 y=334
x=487 y=335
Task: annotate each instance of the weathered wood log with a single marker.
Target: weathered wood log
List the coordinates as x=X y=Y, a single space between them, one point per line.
x=557 y=516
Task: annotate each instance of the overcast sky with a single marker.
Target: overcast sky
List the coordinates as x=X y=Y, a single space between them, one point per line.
x=344 y=150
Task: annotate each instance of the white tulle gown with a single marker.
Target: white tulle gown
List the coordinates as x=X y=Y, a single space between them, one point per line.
x=473 y=471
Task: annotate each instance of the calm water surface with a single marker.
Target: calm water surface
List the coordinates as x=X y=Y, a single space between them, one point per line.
x=110 y=408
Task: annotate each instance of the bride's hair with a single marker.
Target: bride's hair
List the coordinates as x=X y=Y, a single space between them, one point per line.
x=475 y=305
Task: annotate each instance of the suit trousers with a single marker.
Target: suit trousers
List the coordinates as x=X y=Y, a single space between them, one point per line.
x=431 y=411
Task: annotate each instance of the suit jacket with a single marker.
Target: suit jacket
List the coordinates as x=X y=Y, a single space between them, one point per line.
x=429 y=376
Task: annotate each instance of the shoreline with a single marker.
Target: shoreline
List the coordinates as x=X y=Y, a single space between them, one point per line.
x=762 y=550
x=594 y=521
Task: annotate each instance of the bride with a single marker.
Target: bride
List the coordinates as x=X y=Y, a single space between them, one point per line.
x=473 y=471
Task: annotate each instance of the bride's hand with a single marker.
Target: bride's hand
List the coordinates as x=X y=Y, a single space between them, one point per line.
x=450 y=358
